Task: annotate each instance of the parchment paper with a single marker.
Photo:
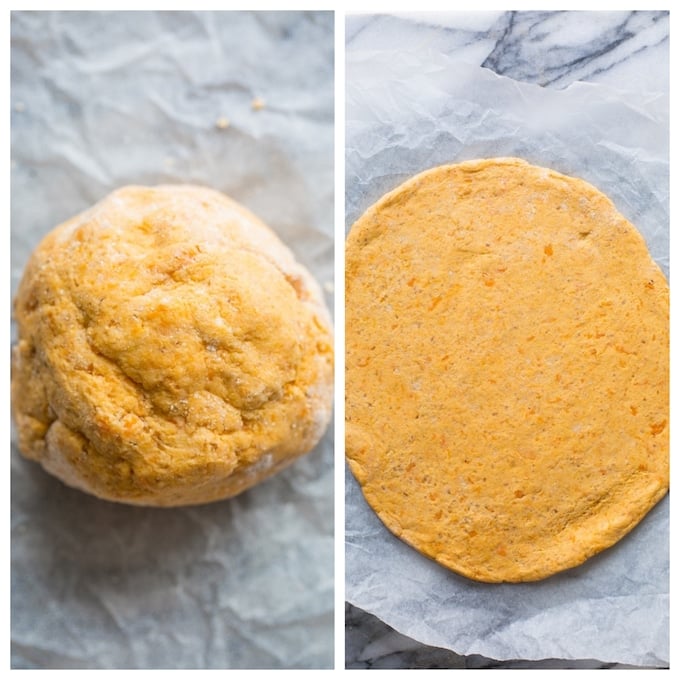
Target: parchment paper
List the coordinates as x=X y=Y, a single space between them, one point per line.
x=100 y=100
x=407 y=112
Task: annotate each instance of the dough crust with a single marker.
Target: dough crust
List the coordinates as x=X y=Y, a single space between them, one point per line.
x=171 y=351
x=506 y=368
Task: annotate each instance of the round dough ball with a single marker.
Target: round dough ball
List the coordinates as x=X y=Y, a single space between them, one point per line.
x=506 y=368
x=171 y=351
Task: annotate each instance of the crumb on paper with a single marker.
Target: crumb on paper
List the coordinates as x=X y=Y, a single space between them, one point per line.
x=328 y=286
x=222 y=123
x=257 y=104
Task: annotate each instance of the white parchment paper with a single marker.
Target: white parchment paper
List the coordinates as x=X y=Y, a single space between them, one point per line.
x=100 y=100
x=407 y=112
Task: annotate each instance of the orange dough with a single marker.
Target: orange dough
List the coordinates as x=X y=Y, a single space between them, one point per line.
x=171 y=350
x=506 y=368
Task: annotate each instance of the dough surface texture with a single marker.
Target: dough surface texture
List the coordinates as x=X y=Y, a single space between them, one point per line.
x=506 y=369
x=171 y=351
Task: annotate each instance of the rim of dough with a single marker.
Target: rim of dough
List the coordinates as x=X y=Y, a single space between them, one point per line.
x=506 y=368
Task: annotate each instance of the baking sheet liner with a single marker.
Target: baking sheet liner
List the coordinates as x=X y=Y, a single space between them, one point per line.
x=407 y=112
x=241 y=102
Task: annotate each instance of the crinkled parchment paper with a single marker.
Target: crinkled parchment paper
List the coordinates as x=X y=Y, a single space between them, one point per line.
x=408 y=112
x=100 y=100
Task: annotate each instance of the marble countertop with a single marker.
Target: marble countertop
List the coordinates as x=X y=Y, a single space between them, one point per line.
x=625 y=50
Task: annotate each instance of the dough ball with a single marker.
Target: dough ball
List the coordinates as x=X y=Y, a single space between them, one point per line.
x=171 y=351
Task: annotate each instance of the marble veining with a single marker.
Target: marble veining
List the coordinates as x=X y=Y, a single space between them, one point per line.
x=623 y=49
x=372 y=644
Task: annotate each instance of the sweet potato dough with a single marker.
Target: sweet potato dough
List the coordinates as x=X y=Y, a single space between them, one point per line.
x=170 y=351
x=507 y=368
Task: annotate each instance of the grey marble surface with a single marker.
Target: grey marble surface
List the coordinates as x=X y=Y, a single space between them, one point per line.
x=372 y=644
x=626 y=50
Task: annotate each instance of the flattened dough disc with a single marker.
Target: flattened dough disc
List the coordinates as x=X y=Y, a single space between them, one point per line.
x=506 y=369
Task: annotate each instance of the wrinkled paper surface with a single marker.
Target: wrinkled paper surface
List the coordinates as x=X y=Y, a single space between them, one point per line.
x=100 y=100
x=408 y=112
